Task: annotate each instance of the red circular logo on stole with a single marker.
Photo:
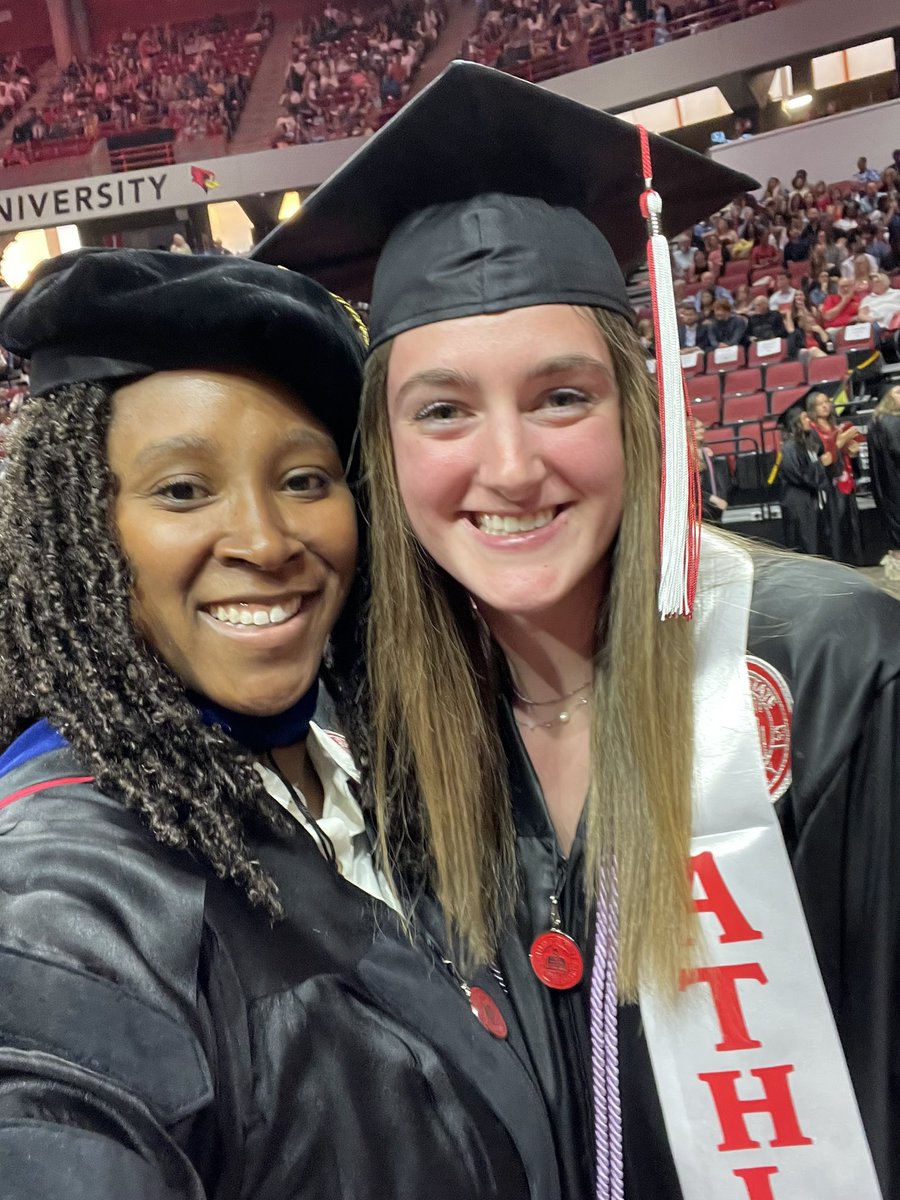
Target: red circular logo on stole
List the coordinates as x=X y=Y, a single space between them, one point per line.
x=773 y=705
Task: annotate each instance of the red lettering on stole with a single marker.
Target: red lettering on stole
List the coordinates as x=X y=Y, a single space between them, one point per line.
x=776 y=1101
x=719 y=901
x=722 y=982
x=759 y=1186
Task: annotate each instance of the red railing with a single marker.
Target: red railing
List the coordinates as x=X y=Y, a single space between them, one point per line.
x=617 y=43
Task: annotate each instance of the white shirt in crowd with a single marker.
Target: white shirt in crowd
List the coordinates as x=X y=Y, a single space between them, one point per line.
x=342 y=819
x=782 y=299
x=881 y=308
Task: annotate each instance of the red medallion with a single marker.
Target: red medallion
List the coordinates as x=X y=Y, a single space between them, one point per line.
x=487 y=1012
x=773 y=706
x=556 y=960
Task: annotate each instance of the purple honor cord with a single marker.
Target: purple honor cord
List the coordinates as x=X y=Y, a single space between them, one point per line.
x=605 y=1044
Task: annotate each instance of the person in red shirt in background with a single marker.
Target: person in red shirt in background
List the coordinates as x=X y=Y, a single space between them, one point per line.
x=843 y=307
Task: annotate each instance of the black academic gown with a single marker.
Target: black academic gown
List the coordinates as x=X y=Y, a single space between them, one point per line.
x=834 y=639
x=805 y=487
x=160 y=1040
x=884 y=464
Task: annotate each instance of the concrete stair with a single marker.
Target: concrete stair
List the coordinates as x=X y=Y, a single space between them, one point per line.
x=257 y=123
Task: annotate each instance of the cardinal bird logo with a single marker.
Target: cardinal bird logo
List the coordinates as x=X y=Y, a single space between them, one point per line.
x=203 y=178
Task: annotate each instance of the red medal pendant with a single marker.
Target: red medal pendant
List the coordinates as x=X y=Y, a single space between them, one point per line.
x=487 y=1012
x=556 y=960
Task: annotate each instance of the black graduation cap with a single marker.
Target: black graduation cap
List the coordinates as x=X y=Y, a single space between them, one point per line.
x=99 y=315
x=487 y=193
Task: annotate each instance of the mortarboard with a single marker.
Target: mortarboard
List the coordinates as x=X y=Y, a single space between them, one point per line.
x=99 y=315
x=486 y=193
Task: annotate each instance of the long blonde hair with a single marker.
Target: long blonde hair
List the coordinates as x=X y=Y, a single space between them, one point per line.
x=437 y=770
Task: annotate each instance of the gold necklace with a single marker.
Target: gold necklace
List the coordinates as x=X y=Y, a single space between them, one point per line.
x=562 y=718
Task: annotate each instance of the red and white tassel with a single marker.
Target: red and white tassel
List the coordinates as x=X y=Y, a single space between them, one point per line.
x=679 y=502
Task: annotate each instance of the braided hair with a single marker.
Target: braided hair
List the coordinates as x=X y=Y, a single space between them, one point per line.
x=70 y=653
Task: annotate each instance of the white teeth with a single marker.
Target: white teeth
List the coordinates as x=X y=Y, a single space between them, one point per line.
x=493 y=523
x=254 y=615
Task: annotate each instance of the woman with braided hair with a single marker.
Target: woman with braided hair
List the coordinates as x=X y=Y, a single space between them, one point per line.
x=206 y=989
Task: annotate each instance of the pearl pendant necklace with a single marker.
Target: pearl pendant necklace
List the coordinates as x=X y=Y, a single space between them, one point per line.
x=562 y=718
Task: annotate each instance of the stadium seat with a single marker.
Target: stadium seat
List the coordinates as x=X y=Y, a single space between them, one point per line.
x=704 y=387
x=759 y=289
x=855 y=337
x=763 y=273
x=745 y=434
x=762 y=354
x=726 y=358
x=797 y=270
x=827 y=370
x=742 y=383
x=693 y=362
x=745 y=408
x=708 y=411
x=734 y=273
x=782 y=400
x=784 y=375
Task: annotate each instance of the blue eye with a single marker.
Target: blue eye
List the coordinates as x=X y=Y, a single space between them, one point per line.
x=441 y=410
x=566 y=398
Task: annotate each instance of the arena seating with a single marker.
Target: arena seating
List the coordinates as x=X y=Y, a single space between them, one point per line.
x=538 y=40
x=191 y=78
x=348 y=74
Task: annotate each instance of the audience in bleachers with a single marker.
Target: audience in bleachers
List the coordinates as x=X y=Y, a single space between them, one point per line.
x=193 y=79
x=349 y=72
x=780 y=294
x=539 y=39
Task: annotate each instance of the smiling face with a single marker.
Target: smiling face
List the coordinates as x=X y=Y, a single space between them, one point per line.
x=234 y=516
x=507 y=439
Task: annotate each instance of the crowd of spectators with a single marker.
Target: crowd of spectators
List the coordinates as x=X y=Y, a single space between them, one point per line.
x=17 y=86
x=192 y=79
x=513 y=34
x=819 y=258
x=349 y=71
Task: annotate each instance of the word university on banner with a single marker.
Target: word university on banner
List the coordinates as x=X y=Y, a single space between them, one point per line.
x=752 y=1080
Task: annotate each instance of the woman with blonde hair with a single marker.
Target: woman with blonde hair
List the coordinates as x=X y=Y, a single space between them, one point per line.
x=551 y=763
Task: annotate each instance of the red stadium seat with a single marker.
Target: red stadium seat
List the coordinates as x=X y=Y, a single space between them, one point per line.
x=781 y=401
x=745 y=408
x=784 y=375
x=708 y=411
x=704 y=387
x=763 y=273
x=827 y=370
x=797 y=270
x=855 y=337
x=759 y=289
x=693 y=362
x=762 y=354
x=734 y=273
x=742 y=383
x=726 y=358
x=747 y=434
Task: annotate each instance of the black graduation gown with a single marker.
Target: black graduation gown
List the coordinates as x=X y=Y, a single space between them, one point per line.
x=160 y=1040
x=834 y=638
x=884 y=464
x=803 y=482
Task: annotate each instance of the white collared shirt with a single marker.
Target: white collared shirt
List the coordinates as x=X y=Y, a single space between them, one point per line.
x=342 y=819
